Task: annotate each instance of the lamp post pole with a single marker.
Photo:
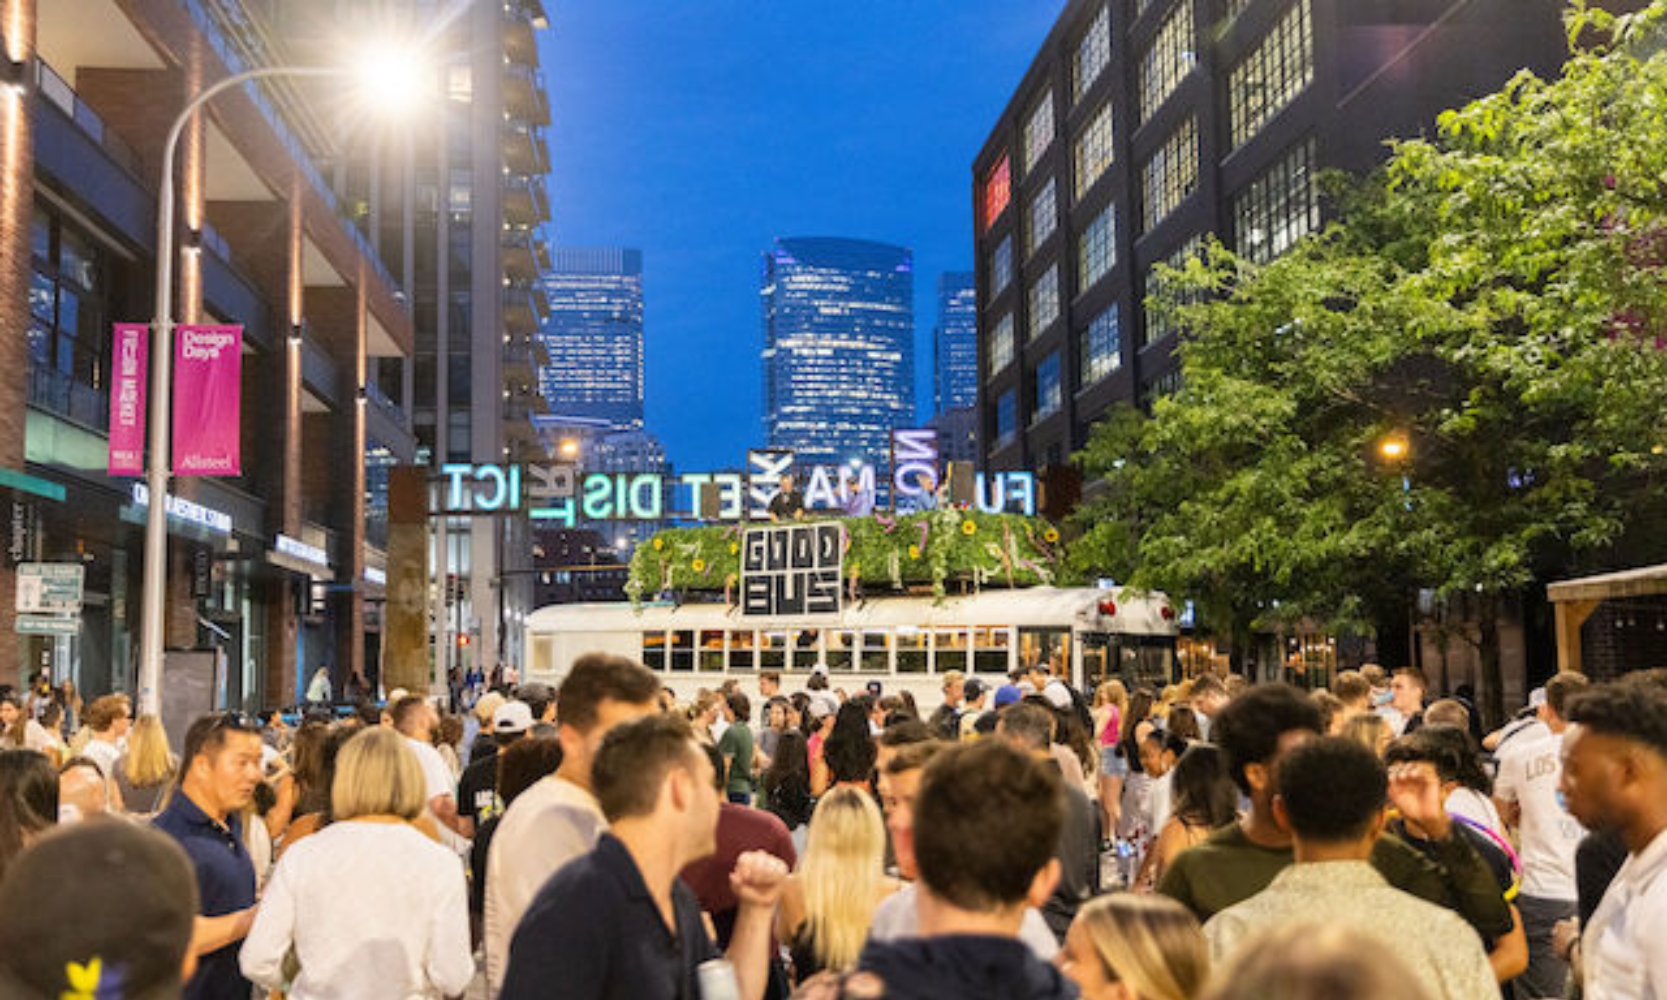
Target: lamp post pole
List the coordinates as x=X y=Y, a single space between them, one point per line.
x=161 y=391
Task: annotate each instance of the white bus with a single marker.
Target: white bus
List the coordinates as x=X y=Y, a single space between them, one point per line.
x=902 y=642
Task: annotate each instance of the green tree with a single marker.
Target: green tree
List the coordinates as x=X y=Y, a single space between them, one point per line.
x=1492 y=299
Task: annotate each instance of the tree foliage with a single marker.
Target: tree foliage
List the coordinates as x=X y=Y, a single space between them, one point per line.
x=1493 y=298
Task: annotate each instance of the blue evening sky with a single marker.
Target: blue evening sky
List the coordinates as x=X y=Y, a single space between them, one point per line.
x=700 y=130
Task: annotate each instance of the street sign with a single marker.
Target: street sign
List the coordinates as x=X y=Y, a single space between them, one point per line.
x=49 y=588
x=48 y=625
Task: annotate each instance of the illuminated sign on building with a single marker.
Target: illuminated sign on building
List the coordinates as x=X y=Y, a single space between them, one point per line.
x=185 y=510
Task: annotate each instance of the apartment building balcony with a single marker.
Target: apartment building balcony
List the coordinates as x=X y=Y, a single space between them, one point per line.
x=525 y=201
x=525 y=151
x=525 y=96
x=524 y=306
x=525 y=255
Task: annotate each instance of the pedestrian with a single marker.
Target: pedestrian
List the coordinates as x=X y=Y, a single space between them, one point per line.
x=1126 y=781
x=617 y=922
x=1028 y=728
x=735 y=747
x=1333 y=796
x=945 y=720
x=1614 y=776
x=740 y=829
x=315 y=749
x=787 y=782
x=220 y=765
x=1407 y=687
x=848 y=753
x=1371 y=731
x=485 y=711
x=107 y=721
x=448 y=740
x=1204 y=801
x=419 y=722
x=371 y=868
x=477 y=788
x=146 y=771
x=517 y=767
x=1129 y=947
x=28 y=802
x=99 y=910
x=827 y=905
x=84 y=792
x=318 y=690
x=1307 y=960
x=559 y=819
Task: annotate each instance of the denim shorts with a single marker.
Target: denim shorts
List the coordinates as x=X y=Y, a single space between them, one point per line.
x=1112 y=764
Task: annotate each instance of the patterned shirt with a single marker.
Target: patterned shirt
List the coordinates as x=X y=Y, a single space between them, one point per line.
x=1436 y=944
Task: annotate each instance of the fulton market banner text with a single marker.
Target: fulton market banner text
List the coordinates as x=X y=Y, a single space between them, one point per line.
x=128 y=354
x=208 y=376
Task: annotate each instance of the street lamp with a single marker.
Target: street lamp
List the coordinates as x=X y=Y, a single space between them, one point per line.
x=390 y=80
x=1394 y=448
x=569 y=448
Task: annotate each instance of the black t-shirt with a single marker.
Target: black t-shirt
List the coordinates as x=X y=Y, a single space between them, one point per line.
x=595 y=930
x=477 y=790
x=787 y=504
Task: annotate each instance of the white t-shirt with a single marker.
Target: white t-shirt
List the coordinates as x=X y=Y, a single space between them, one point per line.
x=437 y=776
x=103 y=754
x=546 y=826
x=897 y=918
x=332 y=888
x=1468 y=803
x=1623 y=942
x=1162 y=800
x=38 y=738
x=1529 y=770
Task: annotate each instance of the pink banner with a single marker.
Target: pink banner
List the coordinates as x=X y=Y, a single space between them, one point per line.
x=208 y=383
x=129 y=352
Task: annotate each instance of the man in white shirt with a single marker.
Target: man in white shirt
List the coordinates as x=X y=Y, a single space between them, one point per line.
x=109 y=718
x=1614 y=778
x=1527 y=797
x=416 y=720
x=558 y=818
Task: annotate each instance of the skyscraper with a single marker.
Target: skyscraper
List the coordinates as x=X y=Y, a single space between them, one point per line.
x=594 y=335
x=838 y=347
x=955 y=342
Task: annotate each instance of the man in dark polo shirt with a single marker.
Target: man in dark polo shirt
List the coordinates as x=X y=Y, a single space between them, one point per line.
x=221 y=768
x=617 y=923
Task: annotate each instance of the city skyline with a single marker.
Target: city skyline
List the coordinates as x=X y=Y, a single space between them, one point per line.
x=594 y=335
x=782 y=120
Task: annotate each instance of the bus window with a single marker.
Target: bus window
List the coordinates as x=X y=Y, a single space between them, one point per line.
x=683 y=651
x=949 y=650
x=1098 y=657
x=772 y=650
x=712 y=651
x=1040 y=647
x=741 y=650
x=654 y=650
x=911 y=650
x=989 y=649
x=1145 y=660
x=840 y=645
x=874 y=659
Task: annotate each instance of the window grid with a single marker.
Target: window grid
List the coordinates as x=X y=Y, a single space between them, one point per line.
x=1278 y=208
x=998 y=190
x=1158 y=324
x=1169 y=60
x=1038 y=132
x=1170 y=175
x=1007 y=417
x=1044 y=217
x=1097 y=249
x=1049 y=396
x=1001 y=345
x=1001 y=266
x=1272 y=75
x=1044 y=302
x=1094 y=150
x=1102 y=347
x=1093 y=54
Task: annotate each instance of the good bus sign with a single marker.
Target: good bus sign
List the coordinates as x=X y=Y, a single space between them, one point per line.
x=560 y=493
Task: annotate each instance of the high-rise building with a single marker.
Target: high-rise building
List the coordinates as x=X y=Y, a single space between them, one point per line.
x=594 y=336
x=1141 y=128
x=838 y=348
x=955 y=342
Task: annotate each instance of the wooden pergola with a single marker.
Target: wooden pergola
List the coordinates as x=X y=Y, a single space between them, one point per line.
x=1574 y=601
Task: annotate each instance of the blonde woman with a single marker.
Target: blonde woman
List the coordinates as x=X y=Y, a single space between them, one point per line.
x=146 y=771
x=828 y=905
x=370 y=868
x=1370 y=731
x=1129 y=947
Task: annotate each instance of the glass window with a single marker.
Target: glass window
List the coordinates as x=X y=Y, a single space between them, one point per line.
x=40 y=237
x=1102 y=347
x=949 y=650
x=1169 y=60
x=1007 y=416
x=712 y=652
x=1278 y=208
x=772 y=650
x=683 y=651
x=1043 y=646
x=1044 y=301
x=989 y=652
x=1001 y=344
x=1001 y=266
x=1096 y=249
x=1044 y=217
x=911 y=650
x=840 y=645
x=654 y=650
x=1272 y=75
x=741 y=646
x=874 y=656
x=1093 y=54
x=1170 y=175
x=1038 y=131
x=998 y=190
x=1160 y=324
x=1048 y=395
x=1094 y=152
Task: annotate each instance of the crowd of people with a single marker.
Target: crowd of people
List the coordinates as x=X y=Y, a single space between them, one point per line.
x=1210 y=840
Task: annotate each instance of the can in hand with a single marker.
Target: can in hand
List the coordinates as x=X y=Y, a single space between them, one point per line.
x=717 y=980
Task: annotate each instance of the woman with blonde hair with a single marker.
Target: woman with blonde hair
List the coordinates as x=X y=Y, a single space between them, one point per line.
x=1370 y=731
x=1129 y=947
x=146 y=771
x=827 y=906
x=370 y=868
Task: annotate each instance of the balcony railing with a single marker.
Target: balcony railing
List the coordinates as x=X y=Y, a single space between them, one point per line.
x=53 y=391
x=57 y=90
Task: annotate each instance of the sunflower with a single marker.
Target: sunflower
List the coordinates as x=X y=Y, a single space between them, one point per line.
x=1050 y=536
x=698 y=565
x=914 y=552
x=659 y=543
x=969 y=527
x=734 y=547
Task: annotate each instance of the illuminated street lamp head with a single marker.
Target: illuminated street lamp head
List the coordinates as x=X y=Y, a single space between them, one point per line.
x=392 y=79
x=1394 y=448
x=569 y=448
